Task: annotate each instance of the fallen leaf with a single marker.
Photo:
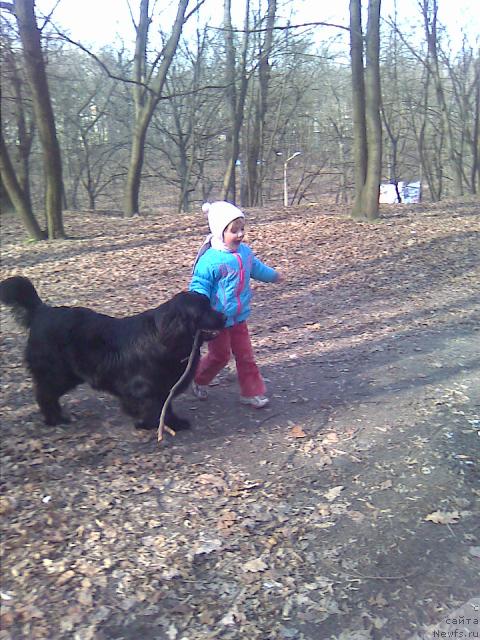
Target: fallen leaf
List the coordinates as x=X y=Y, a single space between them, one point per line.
x=351 y=634
x=443 y=517
x=379 y=623
x=324 y=509
x=330 y=438
x=297 y=432
x=207 y=546
x=210 y=485
x=228 y=619
x=30 y=612
x=65 y=577
x=7 y=505
x=85 y=598
x=7 y=618
x=226 y=520
x=356 y=516
x=378 y=600
x=209 y=478
x=254 y=566
x=324 y=461
x=333 y=493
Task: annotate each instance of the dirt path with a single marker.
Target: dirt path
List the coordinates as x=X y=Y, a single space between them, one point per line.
x=346 y=510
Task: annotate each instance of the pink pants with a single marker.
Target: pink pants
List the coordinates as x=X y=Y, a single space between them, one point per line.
x=234 y=340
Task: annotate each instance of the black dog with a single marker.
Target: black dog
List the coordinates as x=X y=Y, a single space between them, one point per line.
x=137 y=358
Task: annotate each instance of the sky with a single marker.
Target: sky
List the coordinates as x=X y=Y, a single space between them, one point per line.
x=100 y=22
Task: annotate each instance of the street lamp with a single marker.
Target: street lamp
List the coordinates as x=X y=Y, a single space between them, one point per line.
x=285 y=188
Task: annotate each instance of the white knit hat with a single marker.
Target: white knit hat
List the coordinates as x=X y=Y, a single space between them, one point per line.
x=220 y=214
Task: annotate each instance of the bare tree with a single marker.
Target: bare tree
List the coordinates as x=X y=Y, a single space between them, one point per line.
x=17 y=116
x=464 y=114
x=236 y=94
x=367 y=128
x=42 y=107
x=149 y=83
x=17 y=194
x=442 y=110
x=280 y=93
x=392 y=108
x=184 y=133
x=475 y=174
x=19 y=124
x=256 y=143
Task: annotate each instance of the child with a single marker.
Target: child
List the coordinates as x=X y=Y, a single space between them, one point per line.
x=222 y=271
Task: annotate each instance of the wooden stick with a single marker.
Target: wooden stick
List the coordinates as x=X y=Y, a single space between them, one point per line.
x=162 y=426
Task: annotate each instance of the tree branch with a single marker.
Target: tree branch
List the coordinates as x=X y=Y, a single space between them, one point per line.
x=286 y=27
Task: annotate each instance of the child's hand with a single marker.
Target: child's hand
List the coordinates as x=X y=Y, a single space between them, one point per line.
x=280 y=277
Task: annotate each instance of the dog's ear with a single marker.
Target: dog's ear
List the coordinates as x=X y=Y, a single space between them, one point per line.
x=165 y=323
x=191 y=307
x=178 y=316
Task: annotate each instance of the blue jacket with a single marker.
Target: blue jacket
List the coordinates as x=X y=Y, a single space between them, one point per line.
x=224 y=277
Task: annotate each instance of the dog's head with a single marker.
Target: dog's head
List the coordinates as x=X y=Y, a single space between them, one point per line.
x=188 y=312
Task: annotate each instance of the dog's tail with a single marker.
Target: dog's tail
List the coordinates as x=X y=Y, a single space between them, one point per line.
x=20 y=294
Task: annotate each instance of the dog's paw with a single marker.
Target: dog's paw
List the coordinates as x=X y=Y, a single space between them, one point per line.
x=55 y=421
x=145 y=425
x=178 y=424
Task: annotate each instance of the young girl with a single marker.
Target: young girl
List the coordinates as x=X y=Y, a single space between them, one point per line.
x=222 y=271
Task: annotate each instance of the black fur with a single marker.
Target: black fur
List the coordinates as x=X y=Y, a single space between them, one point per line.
x=137 y=358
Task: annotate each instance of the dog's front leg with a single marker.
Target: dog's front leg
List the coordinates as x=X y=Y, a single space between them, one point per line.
x=150 y=415
x=50 y=407
x=175 y=422
x=151 y=419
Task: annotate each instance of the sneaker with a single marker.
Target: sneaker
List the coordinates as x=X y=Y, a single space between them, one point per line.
x=258 y=402
x=199 y=391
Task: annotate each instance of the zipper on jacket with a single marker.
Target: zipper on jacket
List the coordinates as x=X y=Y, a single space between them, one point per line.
x=241 y=282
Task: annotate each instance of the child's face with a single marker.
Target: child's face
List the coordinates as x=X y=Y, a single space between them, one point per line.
x=233 y=234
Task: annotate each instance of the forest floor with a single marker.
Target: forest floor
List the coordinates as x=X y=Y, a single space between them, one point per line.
x=346 y=510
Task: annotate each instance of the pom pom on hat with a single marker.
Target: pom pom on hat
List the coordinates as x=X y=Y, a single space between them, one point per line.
x=220 y=215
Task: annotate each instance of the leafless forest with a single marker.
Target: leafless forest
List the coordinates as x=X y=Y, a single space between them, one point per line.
x=197 y=111
x=348 y=508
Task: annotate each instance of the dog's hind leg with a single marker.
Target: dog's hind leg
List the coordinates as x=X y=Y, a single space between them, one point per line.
x=175 y=422
x=150 y=416
x=48 y=402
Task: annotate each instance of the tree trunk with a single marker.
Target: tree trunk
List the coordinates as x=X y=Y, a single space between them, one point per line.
x=367 y=127
x=475 y=173
x=146 y=96
x=423 y=136
x=17 y=195
x=255 y=151
x=42 y=106
x=372 y=111
x=24 y=132
x=236 y=101
x=430 y=11
x=134 y=176
x=358 y=102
